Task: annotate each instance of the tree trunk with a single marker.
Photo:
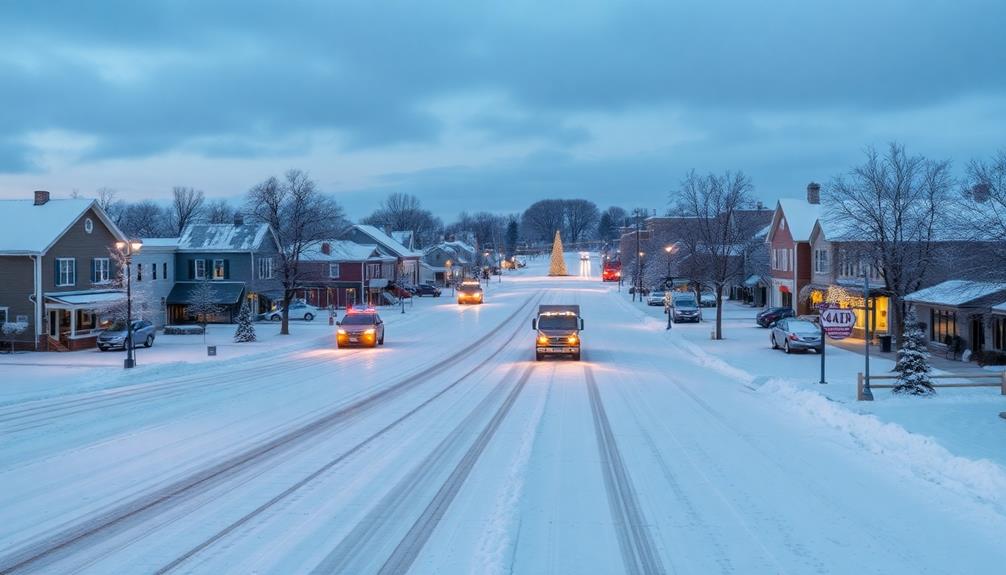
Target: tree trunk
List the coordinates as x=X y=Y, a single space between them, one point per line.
x=284 y=328
x=719 y=311
x=896 y=322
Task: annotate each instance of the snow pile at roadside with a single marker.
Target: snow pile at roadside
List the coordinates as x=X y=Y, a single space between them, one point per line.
x=923 y=456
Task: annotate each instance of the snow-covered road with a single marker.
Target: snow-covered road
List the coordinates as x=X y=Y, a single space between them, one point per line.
x=451 y=451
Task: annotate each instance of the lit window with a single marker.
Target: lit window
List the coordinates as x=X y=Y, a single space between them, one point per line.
x=218 y=270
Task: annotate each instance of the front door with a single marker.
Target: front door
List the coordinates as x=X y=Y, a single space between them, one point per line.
x=54 y=323
x=977 y=334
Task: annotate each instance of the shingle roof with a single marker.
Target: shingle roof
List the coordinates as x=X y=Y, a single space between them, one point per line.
x=222 y=237
x=29 y=229
x=955 y=292
x=341 y=250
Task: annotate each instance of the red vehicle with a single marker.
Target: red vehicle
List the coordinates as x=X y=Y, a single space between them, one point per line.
x=612 y=271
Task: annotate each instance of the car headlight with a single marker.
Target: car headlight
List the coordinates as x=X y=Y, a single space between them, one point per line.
x=342 y=332
x=370 y=331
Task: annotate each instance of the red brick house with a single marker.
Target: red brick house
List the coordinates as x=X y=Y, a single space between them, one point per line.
x=789 y=246
x=406 y=269
x=342 y=274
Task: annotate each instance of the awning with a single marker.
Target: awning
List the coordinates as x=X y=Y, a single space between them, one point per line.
x=224 y=293
x=274 y=294
x=85 y=299
x=784 y=289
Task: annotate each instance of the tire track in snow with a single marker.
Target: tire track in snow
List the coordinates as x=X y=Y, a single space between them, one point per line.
x=351 y=554
x=639 y=553
x=119 y=518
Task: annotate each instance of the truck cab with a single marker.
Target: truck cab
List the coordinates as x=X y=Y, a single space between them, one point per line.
x=557 y=331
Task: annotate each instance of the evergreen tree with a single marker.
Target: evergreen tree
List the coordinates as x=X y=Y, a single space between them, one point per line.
x=913 y=361
x=246 y=328
x=557 y=266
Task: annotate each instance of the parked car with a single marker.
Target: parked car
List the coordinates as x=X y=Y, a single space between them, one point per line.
x=656 y=297
x=114 y=336
x=298 y=310
x=769 y=316
x=796 y=334
x=685 y=307
x=707 y=299
x=427 y=289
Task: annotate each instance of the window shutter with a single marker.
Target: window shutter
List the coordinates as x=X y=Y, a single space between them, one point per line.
x=227 y=269
x=55 y=276
x=73 y=271
x=94 y=272
x=192 y=269
x=208 y=267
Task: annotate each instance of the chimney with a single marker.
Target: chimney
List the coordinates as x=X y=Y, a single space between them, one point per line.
x=326 y=248
x=41 y=197
x=813 y=193
x=239 y=220
x=759 y=206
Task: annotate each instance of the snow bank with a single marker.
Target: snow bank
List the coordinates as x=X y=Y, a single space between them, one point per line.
x=980 y=479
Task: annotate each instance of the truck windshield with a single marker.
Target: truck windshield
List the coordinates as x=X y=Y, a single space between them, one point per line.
x=558 y=322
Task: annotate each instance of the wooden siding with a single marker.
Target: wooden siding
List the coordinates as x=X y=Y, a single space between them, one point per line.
x=17 y=283
x=82 y=246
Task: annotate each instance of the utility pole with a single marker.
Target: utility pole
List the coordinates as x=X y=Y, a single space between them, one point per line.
x=639 y=258
x=867 y=392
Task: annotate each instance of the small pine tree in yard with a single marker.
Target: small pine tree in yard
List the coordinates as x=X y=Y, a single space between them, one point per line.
x=246 y=327
x=913 y=361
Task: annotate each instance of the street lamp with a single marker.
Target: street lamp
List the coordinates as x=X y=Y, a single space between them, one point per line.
x=449 y=279
x=670 y=250
x=639 y=275
x=127 y=249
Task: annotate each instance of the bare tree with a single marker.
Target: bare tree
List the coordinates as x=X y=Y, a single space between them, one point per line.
x=112 y=207
x=717 y=235
x=145 y=219
x=186 y=207
x=219 y=212
x=542 y=218
x=982 y=216
x=581 y=217
x=203 y=304
x=300 y=215
x=401 y=211
x=609 y=223
x=890 y=207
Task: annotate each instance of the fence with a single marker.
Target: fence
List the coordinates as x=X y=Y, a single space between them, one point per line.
x=1001 y=384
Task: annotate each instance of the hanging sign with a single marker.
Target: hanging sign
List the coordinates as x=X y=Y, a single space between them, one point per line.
x=837 y=322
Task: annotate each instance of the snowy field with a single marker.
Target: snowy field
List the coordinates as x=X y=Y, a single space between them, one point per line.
x=450 y=450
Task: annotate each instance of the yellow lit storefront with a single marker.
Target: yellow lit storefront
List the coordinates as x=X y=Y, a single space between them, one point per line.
x=849 y=299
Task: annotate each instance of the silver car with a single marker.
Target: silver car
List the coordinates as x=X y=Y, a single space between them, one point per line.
x=656 y=297
x=114 y=337
x=796 y=334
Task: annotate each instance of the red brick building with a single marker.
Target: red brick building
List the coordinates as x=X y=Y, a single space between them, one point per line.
x=790 y=249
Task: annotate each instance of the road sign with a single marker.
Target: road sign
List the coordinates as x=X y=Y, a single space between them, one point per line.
x=837 y=322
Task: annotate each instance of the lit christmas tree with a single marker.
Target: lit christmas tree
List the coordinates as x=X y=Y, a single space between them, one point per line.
x=246 y=328
x=913 y=361
x=558 y=264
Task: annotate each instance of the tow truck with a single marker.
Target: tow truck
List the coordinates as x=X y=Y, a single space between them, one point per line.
x=470 y=291
x=612 y=271
x=557 y=330
x=360 y=327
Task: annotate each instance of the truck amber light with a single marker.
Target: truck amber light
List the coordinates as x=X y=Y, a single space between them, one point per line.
x=573 y=339
x=542 y=339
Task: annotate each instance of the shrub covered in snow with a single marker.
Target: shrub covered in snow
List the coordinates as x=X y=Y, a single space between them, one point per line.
x=913 y=361
x=246 y=328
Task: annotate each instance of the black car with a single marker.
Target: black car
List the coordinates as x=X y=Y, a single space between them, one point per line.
x=427 y=289
x=769 y=316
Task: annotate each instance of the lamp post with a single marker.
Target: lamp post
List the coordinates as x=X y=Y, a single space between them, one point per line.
x=867 y=392
x=127 y=249
x=670 y=250
x=449 y=277
x=401 y=295
x=639 y=275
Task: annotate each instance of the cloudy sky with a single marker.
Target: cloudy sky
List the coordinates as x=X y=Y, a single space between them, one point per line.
x=479 y=105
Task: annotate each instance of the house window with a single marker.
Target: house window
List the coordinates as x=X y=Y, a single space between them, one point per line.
x=199 y=269
x=3 y=315
x=164 y=270
x=218 y=270
x=373 y=271
x=821 y=262
x=265 y=268
x=139 y=272
x=66 y=272
x=102 y=268
x=333 y=270
x=153 y=271
x=942 y=325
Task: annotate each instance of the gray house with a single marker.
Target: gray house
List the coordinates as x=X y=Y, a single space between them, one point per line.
x=57 y=271
x=154 y=277
x=238 y=261
x=961 y=315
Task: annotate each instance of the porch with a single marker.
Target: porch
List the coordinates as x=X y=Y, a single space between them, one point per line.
x=73 y=320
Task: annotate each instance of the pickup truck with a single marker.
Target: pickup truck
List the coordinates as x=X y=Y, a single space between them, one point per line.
x=557 y=331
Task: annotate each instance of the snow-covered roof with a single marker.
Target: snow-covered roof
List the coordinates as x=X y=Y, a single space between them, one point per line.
x=222 y=237
x=461 y=245
x=387 y=241
x=955 y=292
x=29 y=229
x=801 y=216
x=342 y=250
x=1000 y=307
x=403 y=237
x=87 y=297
